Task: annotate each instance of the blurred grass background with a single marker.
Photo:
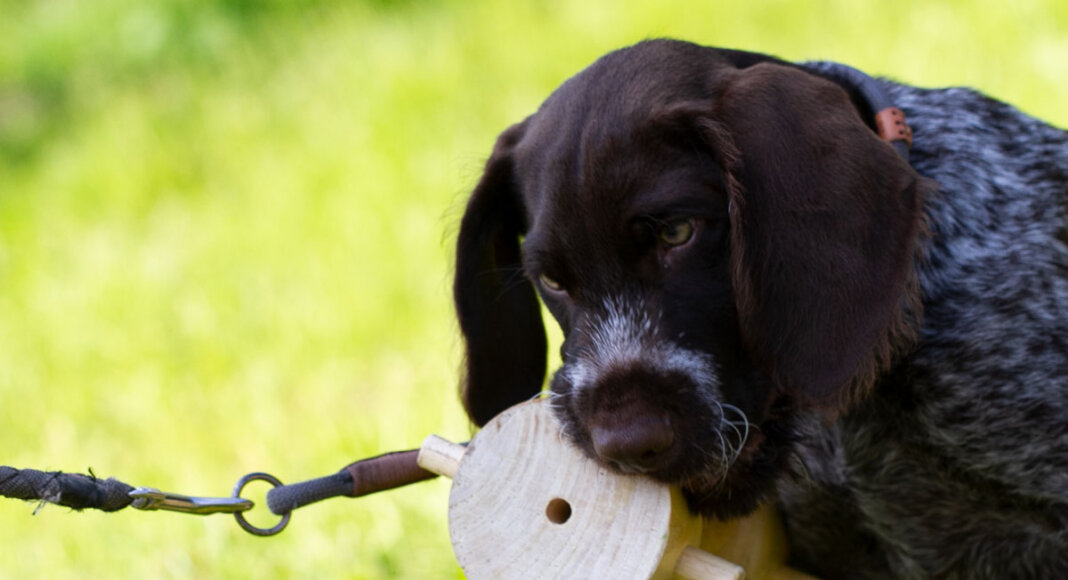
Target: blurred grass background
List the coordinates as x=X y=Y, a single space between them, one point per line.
x=225 y=233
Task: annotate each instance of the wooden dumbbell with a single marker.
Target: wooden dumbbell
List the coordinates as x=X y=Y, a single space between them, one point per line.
x=525 y=503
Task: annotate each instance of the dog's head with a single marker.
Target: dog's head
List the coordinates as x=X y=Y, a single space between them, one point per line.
x=722 y=239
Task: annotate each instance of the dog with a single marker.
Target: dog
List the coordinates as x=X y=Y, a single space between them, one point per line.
x=764 y=301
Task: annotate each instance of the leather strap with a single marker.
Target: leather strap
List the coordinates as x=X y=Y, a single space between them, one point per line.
x=892 y=126
x=889 y=120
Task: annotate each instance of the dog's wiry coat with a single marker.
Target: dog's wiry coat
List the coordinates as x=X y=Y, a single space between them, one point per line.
x=958 y=465
x=882 y=348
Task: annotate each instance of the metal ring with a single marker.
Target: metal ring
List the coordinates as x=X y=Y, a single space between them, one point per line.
x=240 y=517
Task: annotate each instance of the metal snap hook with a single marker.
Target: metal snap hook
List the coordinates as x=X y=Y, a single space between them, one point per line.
x=149 y=498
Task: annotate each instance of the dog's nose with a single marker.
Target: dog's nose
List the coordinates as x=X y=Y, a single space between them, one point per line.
x=635 y=445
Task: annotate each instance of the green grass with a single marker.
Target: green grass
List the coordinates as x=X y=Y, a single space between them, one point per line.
x=225 y=236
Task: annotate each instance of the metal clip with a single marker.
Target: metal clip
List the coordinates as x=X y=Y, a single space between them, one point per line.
x=147 y=498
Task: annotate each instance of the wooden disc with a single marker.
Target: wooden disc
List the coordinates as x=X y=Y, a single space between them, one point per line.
x=525 y=503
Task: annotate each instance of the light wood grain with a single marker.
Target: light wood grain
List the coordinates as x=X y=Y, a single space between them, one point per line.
x=525 y=503
x=440 y=456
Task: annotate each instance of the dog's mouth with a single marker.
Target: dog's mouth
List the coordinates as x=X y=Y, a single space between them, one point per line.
x=676 y=428
x=641 y=403
x=675 y=445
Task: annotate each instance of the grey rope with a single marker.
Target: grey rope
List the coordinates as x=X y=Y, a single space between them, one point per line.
x=358 y=479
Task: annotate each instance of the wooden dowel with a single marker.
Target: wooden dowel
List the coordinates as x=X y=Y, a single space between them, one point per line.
x=440 y=456
x=697 y=564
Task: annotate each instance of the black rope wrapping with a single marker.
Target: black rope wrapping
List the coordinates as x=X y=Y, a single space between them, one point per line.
x=73 y=490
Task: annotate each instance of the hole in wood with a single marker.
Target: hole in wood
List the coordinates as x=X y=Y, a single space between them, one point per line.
x=558 y=511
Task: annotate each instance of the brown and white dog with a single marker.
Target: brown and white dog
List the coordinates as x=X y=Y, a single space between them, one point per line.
x=763 y=301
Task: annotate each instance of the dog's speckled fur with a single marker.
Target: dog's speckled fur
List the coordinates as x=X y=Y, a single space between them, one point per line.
x=957 y=466
x=882 y=349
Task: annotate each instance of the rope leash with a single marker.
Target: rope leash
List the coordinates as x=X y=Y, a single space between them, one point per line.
x=80 y=491
x=72 y=490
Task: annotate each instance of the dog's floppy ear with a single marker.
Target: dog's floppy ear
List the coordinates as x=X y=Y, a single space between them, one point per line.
x=498 y=309
x=824 y=218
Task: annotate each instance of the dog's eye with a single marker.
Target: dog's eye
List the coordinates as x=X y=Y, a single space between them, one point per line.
x=549 y=283
x=677 y=232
